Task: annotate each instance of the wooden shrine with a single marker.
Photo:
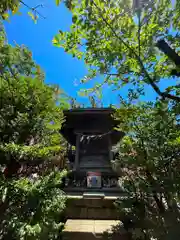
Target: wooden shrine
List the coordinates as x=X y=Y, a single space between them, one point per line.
x=91 y=131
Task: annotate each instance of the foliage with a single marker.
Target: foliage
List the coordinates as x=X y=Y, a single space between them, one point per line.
x=8 y=5
x=32 y=209
x=117 y=39
x=28 y=106
x=148 y=162
x=31 y=148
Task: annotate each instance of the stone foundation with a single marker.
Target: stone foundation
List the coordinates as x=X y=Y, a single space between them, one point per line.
x=92 y=208
x=91 y=217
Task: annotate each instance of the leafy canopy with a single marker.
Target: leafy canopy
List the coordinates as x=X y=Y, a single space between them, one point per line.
x=117 y=39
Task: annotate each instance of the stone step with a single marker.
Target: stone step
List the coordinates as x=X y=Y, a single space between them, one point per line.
x=77 y=229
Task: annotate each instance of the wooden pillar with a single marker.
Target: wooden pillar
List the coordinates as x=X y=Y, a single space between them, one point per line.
x=78 y=136
x=110 y=148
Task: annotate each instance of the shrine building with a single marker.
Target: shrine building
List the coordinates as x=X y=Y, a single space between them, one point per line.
x=91 y=133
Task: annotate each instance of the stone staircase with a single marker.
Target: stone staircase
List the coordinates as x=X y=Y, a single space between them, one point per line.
x=92 y=217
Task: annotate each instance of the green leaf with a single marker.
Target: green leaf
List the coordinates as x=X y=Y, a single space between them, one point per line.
x=15 y=9
x=34 y=16
x=56 y=41
x=4 y=195
x=5 y=16
x=74 y=19
x=57 y=2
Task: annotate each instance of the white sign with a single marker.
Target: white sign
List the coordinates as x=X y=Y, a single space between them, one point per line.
x=94 y=180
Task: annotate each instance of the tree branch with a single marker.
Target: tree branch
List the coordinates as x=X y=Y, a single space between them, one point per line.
x=112 y=74
x=34 y=9
x=151 y=81
x=171 y=53
x=139 y=32
x=167 y=50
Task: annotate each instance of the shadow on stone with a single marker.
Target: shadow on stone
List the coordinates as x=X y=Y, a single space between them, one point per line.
x=95 y=229
x=116 y=232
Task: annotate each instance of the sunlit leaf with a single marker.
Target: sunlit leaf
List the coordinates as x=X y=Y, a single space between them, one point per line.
x=5 y=16
x=15 y=9
x=58 y=2
x=34 y=16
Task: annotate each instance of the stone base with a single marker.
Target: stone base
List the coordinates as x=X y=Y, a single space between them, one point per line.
x=91 y=208
x=92 y=229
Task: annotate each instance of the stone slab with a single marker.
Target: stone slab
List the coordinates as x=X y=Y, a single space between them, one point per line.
x=93 y=195
x=94 y=226
x=76 y=229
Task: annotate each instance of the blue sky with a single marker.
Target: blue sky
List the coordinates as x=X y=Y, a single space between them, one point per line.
x=59 y=67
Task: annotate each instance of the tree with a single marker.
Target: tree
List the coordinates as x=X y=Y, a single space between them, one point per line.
x=31 y=149
x=117 y=39
x=148 y=162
